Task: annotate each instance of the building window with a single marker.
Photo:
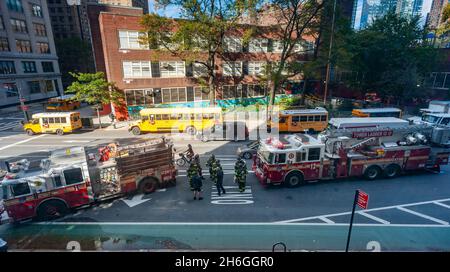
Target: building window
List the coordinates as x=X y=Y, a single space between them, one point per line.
x=48 y=84
x=10 y=89
x=19 y=26
x=201 y=93
x=4 y=44
x=258 y=45
x=7 y=67
x=232 y=44
x=47 y=67
x=138 y=97
x=199 y=70
x=23 y=46
x=137 y=69
x=36 y=10
x=43 y=48
x=39 y=30
x=172 y=68
x=14 y=5
x=29 y=67
x=230 y=91
x=2 y=25
x=130 y=40
x=173 y=95
x=232 y=68
x=277 y=46
x=34 y=87
x=256 y=68
x=255 y=90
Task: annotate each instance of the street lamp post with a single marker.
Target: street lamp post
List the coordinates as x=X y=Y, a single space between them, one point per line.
x=327 y=79
x=22 y=102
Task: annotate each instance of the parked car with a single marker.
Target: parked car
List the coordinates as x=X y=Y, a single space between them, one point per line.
x=226 y=131
x=247 y=151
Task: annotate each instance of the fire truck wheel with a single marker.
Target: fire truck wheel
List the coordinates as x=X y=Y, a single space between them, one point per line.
x=51 y=209
x=372 y=172
x=59 y=132
x=30 y=132
x=293 y=180
x=190 y=130
x=136 y=131
x=391 y=171
x=148 y=185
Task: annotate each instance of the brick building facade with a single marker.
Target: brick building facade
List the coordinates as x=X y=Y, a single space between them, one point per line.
x=148 y=81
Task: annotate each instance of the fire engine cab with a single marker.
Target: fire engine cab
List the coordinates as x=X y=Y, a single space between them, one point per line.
x=77 y=176
x=340 y=153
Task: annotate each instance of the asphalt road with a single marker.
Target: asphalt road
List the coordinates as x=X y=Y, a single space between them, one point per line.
x=409 y=213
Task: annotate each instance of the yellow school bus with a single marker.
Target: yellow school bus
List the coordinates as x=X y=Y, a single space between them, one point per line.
x=53 y=122
x=62 y=103
x=189 y=120
x=302 y=120
x=377 y=112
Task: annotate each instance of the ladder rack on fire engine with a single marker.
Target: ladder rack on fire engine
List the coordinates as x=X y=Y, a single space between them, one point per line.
x=343 y=132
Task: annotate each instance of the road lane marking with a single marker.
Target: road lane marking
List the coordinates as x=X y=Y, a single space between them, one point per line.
x=238 y=224
x=232 y=197
x=326 y=220
x=441 y=204
x=368 y=210
x=423 y=216
x=373 y=217
x=21 y=142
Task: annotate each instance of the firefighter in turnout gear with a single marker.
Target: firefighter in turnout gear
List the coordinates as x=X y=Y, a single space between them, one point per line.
x=192 y=172
x=196 y=161
x=210 y=163
x=240 y=170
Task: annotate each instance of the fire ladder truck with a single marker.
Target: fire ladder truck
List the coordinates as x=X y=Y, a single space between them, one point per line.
x=343 y=153
x=76 y=177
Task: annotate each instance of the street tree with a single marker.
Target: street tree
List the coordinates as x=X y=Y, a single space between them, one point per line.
x=197 y=37
x=294 y=19
x=94 y=89
x=392 y=56
x=444 y=27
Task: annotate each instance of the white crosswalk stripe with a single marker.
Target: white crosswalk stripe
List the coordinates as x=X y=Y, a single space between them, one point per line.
x=232 y=196
x=9 y=125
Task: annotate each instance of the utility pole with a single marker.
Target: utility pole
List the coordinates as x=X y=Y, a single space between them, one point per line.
x=327 y=79
x=22 y=102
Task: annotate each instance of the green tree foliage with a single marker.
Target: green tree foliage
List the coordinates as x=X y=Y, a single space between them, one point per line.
x=444 y=28
x=391 y=56
x=94 y=89
x=198 y=36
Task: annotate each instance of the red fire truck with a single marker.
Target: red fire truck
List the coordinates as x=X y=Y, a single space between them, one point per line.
x=340 y=153
x=76 y=177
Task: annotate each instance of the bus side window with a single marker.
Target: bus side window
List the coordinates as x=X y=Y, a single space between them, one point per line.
x=157 y=116
x=45 y=120
x=198 y=116
x=165 y=117
x=295 y=119
x=310 y=118
x=317 y=118
x=174 y=116
x=323 y=118
x=145 y=117
x=180 y=116
x=57 y=120
x=191 y=117
x=63 y=120
x=303 y=118
x=282 y=120
x=21 y=188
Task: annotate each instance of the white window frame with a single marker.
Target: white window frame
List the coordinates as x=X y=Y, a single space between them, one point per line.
x=180 y=69
x=196 y=98
x=229 y=68
x=128 y=68
x=134 y=94
x=232 y=44
x=256 y=68
x=199 y=70
x=126 y=40
x=258 y=45
x=277 y=46
x=170 y=94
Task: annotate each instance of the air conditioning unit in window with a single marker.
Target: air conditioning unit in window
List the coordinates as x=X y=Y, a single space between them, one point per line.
x=127 y=81
x=124 y=51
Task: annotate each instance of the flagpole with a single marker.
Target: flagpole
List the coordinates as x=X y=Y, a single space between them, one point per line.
x=351 y=220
